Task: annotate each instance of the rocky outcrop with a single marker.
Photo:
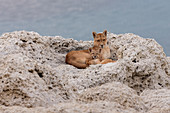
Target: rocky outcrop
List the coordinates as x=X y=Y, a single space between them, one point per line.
x=35 y=78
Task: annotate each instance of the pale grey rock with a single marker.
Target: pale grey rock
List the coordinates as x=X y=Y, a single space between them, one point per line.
x=143 y=62
x=157 y=100
x=122 y=95
x=33 y=74
x=22 y=83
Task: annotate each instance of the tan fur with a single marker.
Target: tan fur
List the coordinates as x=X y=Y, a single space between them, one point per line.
x=78 y=58
x=97 y=57
x=83 y=58
x=100 y=40
x=105 y=61
x=93 y=62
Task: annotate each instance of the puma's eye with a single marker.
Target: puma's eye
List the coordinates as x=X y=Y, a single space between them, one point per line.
x=103 y=39
x=94 y=57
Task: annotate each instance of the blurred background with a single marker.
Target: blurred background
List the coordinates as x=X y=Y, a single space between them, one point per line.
x=78 y=18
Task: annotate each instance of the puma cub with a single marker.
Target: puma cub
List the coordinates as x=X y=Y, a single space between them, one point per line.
x=83 y=58
x=96 y=56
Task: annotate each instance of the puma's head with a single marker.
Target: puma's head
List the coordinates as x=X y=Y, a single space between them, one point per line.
x=95 y=52
x=100 y=39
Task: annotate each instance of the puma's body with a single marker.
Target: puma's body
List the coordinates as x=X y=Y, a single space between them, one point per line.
x=105 y=53
x=83 y=58
x=105 y=61
x=78 y=58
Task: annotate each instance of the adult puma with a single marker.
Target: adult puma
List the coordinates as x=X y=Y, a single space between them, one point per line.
x=100 y=40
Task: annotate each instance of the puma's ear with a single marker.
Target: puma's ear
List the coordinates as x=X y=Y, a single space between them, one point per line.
x=90 y=50
x=105 y=32
x=94 y=34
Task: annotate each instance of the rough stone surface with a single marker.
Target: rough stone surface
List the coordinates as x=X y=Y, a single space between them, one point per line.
x=34 y=77
x=157 y=99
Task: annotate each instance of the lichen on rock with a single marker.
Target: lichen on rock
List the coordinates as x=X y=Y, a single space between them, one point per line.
x=35 y=78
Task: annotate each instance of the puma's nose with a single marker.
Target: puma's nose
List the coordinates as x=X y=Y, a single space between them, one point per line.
x=102 y=46
x=94 y=57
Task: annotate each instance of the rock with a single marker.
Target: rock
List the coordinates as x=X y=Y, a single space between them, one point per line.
x=22 y=82
x=144 y=62
x=120 y=95
x=35 y=78
x=157 y=100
